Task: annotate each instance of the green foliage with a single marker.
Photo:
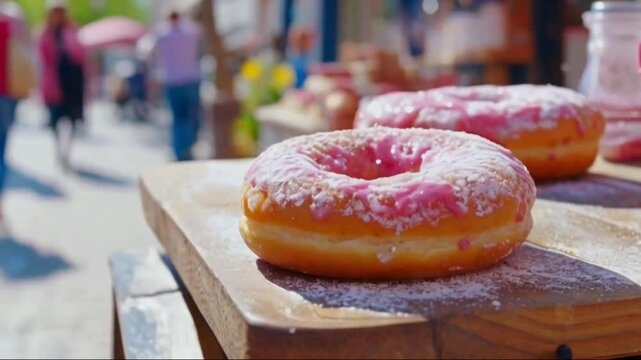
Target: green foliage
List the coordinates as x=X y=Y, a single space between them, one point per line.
x=86 y=11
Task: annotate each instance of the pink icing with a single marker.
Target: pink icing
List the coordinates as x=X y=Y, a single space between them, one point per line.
x=464 y=243
x=521 y=211
x=580 y=128
x=494 y=112
x=397 y=178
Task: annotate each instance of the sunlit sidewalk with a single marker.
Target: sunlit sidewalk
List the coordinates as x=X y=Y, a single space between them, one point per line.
x=54 y=281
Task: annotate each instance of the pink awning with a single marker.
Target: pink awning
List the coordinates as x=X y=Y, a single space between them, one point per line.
x=110 y=31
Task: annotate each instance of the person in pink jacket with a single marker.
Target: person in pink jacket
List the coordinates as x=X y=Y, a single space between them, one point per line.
x=62 y=77
x=13 y=29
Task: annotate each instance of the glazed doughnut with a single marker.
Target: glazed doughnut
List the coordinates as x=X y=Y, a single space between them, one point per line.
x=552 y=130
x=386 y=203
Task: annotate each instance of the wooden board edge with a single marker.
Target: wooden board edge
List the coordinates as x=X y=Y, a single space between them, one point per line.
x=409 y=340
x=231 y=339
x=542 y=331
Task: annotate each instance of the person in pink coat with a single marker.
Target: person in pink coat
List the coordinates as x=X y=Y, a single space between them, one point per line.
x=62 y=82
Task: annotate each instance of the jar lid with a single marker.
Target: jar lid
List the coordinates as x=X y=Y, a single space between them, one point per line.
x=616 y=6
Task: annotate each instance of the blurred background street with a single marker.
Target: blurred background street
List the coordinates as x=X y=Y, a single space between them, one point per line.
x=106 y=89
x=54 y=277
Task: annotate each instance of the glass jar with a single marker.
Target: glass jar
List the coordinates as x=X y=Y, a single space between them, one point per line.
x=611 y=79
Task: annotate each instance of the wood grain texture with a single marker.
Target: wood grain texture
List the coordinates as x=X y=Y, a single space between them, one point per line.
x=536 y=300
x=208 y=341
x=152 y=318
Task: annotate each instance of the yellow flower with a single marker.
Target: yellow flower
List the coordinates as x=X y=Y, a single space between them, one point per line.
x=283 y=76
x=251 y=70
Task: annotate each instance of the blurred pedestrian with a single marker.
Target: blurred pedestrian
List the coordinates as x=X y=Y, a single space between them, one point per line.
x=62 y=80
x=16 y=75
x=301 y=41
x=176 y=51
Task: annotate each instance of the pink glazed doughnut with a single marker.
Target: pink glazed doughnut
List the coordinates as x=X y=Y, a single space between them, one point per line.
x=554 y=131
x=386 y=203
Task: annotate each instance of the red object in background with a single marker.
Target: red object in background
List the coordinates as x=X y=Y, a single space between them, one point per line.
x=386 y=87
x=622 y=141
x=441 y=80
x=4 y=55
x=115 y=30
x=345 y=84
x=332 y=70
x=437 y=82
x=340 y=109
x=300 y=96
x=301 y=39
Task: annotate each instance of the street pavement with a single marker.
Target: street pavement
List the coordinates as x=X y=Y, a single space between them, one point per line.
x=55 y=289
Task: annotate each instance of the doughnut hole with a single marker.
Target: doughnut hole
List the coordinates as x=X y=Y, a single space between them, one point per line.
x=386 y=158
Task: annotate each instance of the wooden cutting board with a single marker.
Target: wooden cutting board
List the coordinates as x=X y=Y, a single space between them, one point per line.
x=573 y=286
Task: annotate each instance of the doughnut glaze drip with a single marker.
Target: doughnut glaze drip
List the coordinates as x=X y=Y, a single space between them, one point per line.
x=394 y=177
x=494 y=112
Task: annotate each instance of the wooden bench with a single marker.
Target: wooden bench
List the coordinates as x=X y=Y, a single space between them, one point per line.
x=154 y=317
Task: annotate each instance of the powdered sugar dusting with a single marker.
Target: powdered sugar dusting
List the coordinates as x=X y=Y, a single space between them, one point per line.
x=530 y=275
x=387 y=255
x=398 y=178
x=494 y=112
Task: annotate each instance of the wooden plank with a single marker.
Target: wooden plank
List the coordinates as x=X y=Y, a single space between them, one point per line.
x=535 y=301
x=158 y=327
x=152 y=317
x=140 y=273
x=589 y=330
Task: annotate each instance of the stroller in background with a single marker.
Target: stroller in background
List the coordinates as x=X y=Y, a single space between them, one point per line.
x=130 y=91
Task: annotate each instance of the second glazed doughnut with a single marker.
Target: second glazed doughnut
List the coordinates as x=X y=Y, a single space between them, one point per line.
x=554 y=131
